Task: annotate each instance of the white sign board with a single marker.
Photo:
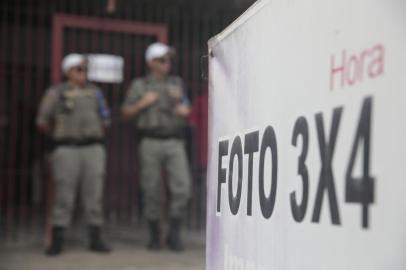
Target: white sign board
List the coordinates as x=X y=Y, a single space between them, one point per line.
x=105 y=68
x=307 y=143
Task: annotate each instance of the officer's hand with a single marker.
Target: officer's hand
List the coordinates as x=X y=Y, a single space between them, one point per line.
x=149 y=98
x=182 y=110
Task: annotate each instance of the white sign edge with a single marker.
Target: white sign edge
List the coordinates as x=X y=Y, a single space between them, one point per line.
x=251 y=11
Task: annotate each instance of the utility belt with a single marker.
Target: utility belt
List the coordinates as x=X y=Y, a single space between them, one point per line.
x=161 y=134
x=78 y=142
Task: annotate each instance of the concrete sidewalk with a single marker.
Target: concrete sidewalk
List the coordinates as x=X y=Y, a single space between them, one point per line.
x=128 y=253
x=124 y=257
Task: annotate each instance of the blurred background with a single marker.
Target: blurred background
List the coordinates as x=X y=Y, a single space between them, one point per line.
x=35 y=35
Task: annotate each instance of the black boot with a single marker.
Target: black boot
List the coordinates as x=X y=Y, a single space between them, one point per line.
x=56 y=246
x=173 y=240
x=154 y=240
x=96 y=243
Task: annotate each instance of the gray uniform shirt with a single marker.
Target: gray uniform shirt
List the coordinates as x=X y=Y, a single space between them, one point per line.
x=161 y=115
x=74 y=113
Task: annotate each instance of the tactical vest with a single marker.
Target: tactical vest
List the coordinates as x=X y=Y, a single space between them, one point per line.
x=161 y=115
x=76 y=114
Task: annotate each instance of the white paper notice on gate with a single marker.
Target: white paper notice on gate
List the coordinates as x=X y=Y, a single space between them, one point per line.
x=105 y=68
x=307 y=143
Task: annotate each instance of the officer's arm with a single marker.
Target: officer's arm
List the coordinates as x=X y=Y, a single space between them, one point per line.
x=182 y=109
x=46 y=110
x=136 y=101
x=132 y=110
x=104 y=111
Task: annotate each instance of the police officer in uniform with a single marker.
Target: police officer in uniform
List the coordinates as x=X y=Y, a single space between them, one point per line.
x=75 y=115
x=159 y=107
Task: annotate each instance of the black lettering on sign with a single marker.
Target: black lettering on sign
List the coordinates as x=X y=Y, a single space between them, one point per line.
x=268 y=202
x=361 y=190
x=234 y=201
x=326 y=181
x=358 y=189
x=299 y=209
x=222 y=173
x=251 y=145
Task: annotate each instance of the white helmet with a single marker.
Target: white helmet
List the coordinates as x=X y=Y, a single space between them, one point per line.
x=157 y=50
x=72 y=60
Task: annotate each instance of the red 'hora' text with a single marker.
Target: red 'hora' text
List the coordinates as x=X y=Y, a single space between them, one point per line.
x=347 y=69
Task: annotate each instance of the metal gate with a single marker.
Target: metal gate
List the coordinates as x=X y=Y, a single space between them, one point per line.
x=34 y=36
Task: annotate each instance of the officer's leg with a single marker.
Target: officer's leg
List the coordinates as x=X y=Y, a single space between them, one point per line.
x=150 y=161
x=177 y=168
x=66 y=168
x=92 y=183
x=179 y=185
